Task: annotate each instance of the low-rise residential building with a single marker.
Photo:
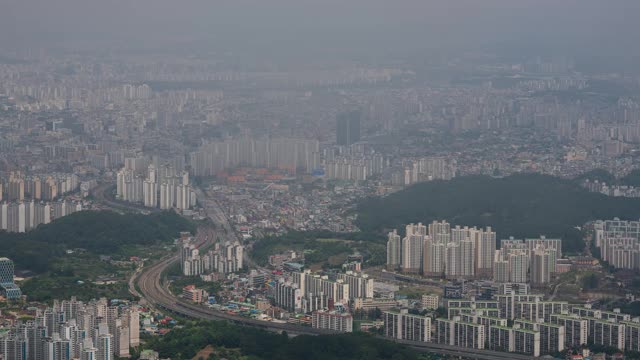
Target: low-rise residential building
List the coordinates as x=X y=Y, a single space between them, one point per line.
x=191 y=293
x=430 y=302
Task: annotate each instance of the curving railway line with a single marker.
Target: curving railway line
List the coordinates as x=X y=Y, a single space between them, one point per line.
x=153 y=289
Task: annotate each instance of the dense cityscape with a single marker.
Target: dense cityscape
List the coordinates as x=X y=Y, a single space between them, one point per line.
x=324 y=181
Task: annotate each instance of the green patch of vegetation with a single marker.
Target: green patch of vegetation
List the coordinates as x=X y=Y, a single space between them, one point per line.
x=47 y=287
x=65 y=254
x=97 y=232
x=632 y=308
x=411 y=292
x=85 y=266
x=590 y=281
x=568 y=292
x=322 y=247
x=632 y=179
x=523 y=205
x=258 y=344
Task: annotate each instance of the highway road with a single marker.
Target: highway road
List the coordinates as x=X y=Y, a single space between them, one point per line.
x=102 y=194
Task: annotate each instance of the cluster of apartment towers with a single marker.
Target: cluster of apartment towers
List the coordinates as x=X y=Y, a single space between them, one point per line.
x=619 y=242
x=73 y=329
x=305 y=291
x=517 y=322
x=227 y=257
x=283 y=153
x=154 y=187
x=30 y=200
x=468 y=252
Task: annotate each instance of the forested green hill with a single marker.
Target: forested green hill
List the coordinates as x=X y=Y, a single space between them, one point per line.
x=524 y=205
x=99 y=232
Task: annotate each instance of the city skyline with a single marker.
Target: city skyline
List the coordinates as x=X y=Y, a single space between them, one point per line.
x=195 y=179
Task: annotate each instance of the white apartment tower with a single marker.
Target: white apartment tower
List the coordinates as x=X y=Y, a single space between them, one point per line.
x=394 y=250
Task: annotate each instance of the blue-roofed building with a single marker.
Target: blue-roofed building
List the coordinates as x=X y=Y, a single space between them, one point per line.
x=293 y=266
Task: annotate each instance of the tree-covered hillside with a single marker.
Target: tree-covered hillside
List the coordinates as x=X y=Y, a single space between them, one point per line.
x=99 y=232
x=524 y=205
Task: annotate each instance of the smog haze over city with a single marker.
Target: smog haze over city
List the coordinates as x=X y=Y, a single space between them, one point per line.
x=335 y=179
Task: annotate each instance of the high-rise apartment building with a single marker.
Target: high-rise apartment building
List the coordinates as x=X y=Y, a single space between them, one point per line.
x=332 y=320
x=545 y=243
x=575 y=327
x=501 y=338
x=552 y=336
x=288 y=295
x=632 y=335
x=605 y=332
x=394 y=250
x=360 y=284
x=455 y=332
x=438 y=249
x=543 y=264
x=72 y=330
x=399 y=324
x=434 y=258
x=526 y=341
x=412 y=253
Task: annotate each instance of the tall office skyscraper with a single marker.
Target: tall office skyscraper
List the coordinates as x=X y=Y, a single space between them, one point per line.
x=348 y=127
x=6 y=270
x=7 y=287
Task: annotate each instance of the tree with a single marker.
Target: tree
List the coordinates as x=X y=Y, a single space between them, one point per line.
x=590 y=281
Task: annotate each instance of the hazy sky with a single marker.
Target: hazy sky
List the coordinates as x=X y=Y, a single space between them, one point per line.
x=589 y=26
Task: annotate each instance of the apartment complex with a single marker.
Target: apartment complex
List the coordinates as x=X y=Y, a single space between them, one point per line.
x=283 y=153
x=72 y=329
x=619 y=242
x=163 y=187
x=439 y=249
x=530 y=260
x=227 y=257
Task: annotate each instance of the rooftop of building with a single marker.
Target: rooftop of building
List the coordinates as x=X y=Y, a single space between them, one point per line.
x=526 y=331
x=333 y=313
